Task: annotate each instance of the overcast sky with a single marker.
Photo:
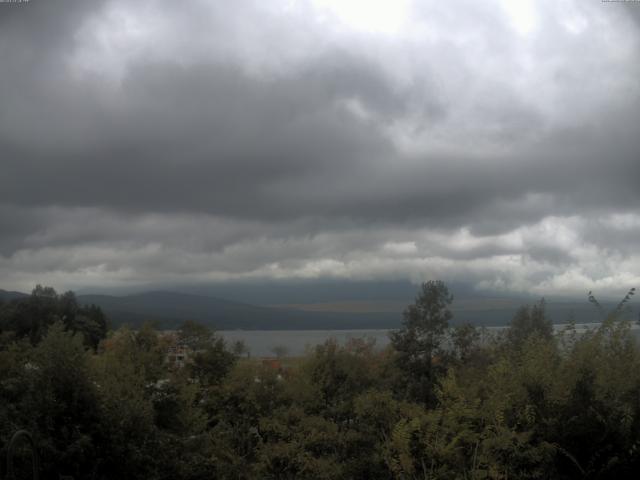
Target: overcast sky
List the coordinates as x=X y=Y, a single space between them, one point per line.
x=494 y=144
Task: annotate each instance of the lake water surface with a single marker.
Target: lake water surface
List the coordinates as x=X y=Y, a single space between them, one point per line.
x=262 y=342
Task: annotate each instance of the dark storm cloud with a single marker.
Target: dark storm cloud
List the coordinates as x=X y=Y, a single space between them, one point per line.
x=40 y=27
x=216 y=148
x=193 y=139
x=212 y=138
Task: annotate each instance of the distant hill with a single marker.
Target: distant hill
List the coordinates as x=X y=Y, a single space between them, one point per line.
x=168 y=309
x=6 y=296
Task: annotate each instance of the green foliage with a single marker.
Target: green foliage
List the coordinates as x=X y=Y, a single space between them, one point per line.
x=48 y=390
x=419 y=340
x=529 y=321
x=341 y=373
x=211 y=364
x=465 y=341
x=30 y=318
x=194 y=335
x=526 y=405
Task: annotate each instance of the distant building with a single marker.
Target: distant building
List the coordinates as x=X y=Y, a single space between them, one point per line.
x=275 y=365
x=178 y=355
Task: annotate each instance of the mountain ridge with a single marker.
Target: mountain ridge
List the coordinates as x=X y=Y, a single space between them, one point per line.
x=168 y=309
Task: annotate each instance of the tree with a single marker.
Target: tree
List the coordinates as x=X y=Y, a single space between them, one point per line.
x=528 y=321
x=62 y=402
x=280 y=351
x=127 y=434
x=464 y=339
x=32 y=316
x=340 y=374
x=210 y=360
x=240 y=348
x=195 y=335
x=209 y=365
x=92 y=323
x=618 y=312
x=418 y=341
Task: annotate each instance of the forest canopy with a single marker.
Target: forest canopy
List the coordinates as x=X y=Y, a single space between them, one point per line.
x=437 y=403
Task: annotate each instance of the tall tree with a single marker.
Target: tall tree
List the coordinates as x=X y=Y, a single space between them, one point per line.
x=528 y=321
x=32 y=316
x=418 y=342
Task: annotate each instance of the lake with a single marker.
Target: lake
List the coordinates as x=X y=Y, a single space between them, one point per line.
x=262 y=342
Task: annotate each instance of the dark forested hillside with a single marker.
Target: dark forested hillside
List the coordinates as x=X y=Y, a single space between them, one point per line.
x=169 y=309
x=5 y=296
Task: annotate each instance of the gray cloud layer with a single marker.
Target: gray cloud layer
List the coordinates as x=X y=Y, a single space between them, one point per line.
x=147 y=142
